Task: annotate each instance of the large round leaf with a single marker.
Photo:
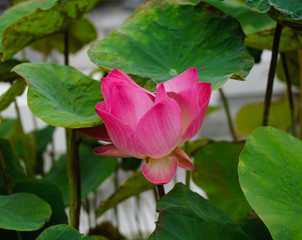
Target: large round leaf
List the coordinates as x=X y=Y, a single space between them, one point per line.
x=23 y=212
x=286 y=11
x=290 y=39
x=35 y=19
x=161 y=40
x=62 y=232
x=270 y=177
x=94 y=170
x=216 y=173
x=186 y=215
x=251 y=21
x=250 y=116
x=60 y=95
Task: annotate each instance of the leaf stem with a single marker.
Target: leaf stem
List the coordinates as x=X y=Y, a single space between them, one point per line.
x=271 y=74
x=228 y=113
x=300 y=86
x=74 y=178
x=289 y=93
x=73 y=161
x=188 y=173
x=4 y=173
x=160 y=191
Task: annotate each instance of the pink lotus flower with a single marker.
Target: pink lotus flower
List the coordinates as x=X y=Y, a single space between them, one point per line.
x=151 y=126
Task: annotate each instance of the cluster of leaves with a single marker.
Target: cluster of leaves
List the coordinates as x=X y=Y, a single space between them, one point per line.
x=252 y=186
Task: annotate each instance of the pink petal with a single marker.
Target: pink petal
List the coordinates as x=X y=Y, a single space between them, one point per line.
x=160 y=171
x=109 y=150
x=121 y=134
x=183 y=89
x=187 y=79
x=183 y=159
x=98 y=132
x=116 y=77
x=195 y=125
x=129 y=104
x=159 y=130
x=204 y=92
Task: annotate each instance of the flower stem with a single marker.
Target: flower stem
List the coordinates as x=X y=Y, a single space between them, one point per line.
x=73 y=162
x=160 y=191
x=74 y=177
x=228 y=113
x=271 y=74
x=289 y=93
x=188 y=173
x=300 y=84
x=5 y=175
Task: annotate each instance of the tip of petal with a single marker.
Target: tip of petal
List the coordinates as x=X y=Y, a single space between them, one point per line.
x=160 y=171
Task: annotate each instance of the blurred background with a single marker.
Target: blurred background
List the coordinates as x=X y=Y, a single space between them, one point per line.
x=109 y=14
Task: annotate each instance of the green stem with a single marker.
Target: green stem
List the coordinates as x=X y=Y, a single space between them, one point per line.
x=5 y=175
x=160 y=191
x=289 y=93
x=271 y=74
x=228 y=113
x=74 y=177
x=73 y=162
x=300 y=84
x=188 y=173
x=116 y=184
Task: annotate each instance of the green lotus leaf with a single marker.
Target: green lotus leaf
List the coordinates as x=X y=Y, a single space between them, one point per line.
x=270 y=177
x=9 y=96
x=184 y=214
x=216 y=173
x=287 y=12
x=250 y=116
x=5 y=74
x=23 y=212
x=162 y=39
x=290 y=39
x=81 y=32
x=62 y=232
x=60 y=95
x=251 y=21
x=35 y=19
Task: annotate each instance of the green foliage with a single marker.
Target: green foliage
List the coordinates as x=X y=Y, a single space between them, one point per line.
x=60 y=95
x=9 y=96
x=81 y=32
x=5 y=67
x=134 y=185
x=250 y=21
x=169 y=38
x=35 y=19
x=23 y=212
x=216 y=173
x=62 y=232
x=292 y=61
x=94 y=170
x=13 y=167
x=270 y=177
x=184 y=214
x=249 y=117
x=290 y=39
x=284 y=11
